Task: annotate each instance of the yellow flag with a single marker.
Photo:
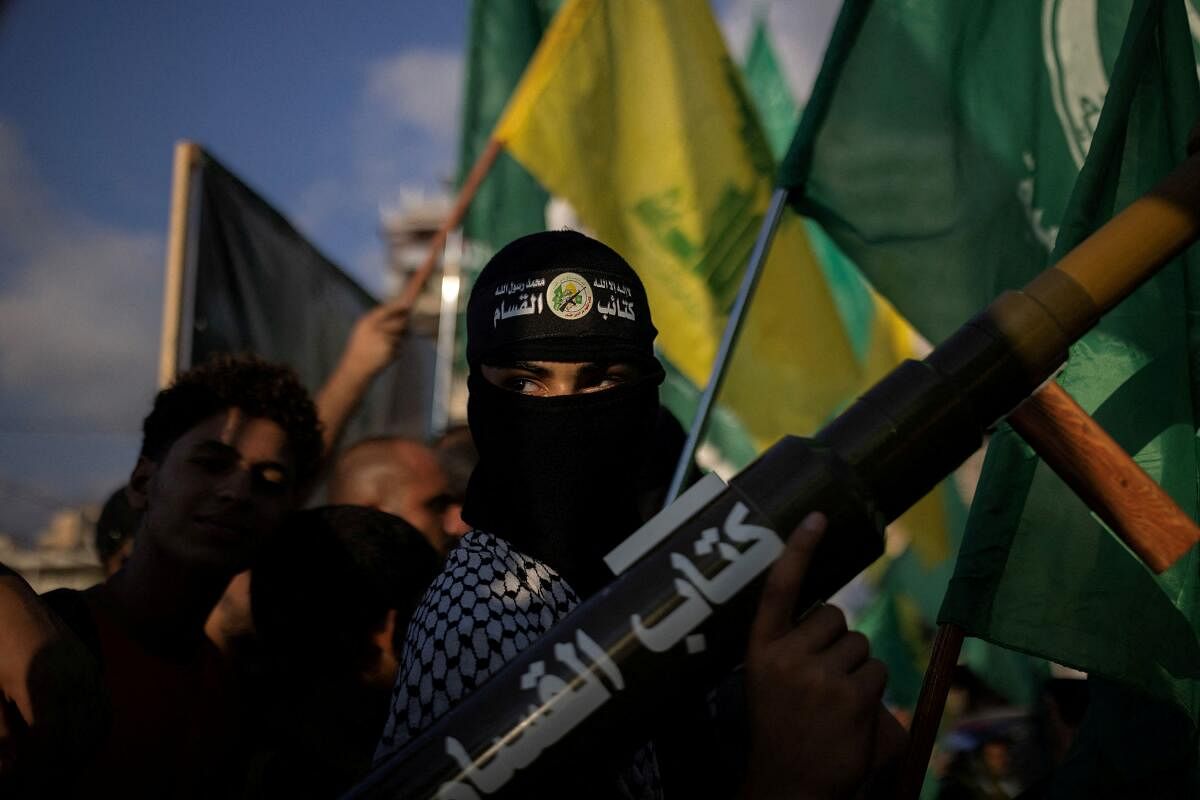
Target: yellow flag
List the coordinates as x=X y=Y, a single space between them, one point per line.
x=633 y=111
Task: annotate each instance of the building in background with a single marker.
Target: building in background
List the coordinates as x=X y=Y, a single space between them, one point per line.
x=64 y=554
x=408 y=230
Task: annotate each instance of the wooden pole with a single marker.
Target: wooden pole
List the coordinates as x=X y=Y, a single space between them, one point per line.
x=470 y=187
x=187 y=156
x=1105 y=477
x=927 y=716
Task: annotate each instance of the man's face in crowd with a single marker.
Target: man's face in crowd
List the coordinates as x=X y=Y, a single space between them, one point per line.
x=559 y=378
x=421 y=497
x=219 y=491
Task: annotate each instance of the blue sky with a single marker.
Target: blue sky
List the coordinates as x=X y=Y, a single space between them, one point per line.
x=331 y=110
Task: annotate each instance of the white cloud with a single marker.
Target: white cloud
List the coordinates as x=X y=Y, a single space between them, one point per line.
x=319 y=202
x=79 y=308
x=419 y=87
x=404 y=136
x=23 y=200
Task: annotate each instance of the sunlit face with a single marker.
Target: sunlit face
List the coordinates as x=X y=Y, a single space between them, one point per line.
x=219 y=492
x=419 y=495
x=559 y=378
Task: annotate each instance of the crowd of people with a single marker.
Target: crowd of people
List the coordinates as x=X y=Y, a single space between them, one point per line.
x=243 y=645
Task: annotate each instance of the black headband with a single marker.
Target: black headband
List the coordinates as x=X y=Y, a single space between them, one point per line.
x=558 y=296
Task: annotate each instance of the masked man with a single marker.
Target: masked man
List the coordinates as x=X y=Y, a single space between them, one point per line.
x=563 y=400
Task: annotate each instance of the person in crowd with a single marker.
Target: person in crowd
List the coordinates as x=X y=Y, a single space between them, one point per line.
x=371 y=347
x=456 y=453
x=399 y=476
x=331 y=597
x=563 y=400
x=114 y=532
x=227 y=450
x=52 y=709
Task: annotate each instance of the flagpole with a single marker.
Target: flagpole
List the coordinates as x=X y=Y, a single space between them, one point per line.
x=1103 y=475
x=187 y=156
x=466 y=194
x=758 y=258
x=927 y=716
x=447 y=317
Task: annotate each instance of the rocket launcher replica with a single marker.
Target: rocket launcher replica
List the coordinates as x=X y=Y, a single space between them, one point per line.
x=674 y=621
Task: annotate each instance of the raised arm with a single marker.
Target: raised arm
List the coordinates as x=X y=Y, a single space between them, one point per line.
x=372 y=345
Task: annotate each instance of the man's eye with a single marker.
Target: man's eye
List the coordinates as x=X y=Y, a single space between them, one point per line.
x=439 y=503
x=272 y=479
x=615 y=376
x=211 y=463
x=522 y=385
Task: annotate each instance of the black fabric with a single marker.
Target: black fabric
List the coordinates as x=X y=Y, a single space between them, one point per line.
x=558 y=296
x=260 y=287
x=71 y=607
x=558 y=476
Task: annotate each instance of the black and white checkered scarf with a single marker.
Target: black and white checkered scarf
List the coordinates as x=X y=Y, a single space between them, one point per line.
x=489 y=603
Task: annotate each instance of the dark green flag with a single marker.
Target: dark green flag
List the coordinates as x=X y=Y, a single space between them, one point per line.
x=1037 y=572
x=503 y=36
x=932 y=154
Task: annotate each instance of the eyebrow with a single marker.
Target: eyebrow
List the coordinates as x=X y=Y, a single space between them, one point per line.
x=214 y=446
x=536 y=369
x=529 y=366
x=217 y=447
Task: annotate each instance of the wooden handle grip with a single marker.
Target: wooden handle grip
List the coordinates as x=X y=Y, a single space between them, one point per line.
x=1105 y=477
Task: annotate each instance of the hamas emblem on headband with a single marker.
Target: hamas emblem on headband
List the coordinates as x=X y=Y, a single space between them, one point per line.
x=569 y=296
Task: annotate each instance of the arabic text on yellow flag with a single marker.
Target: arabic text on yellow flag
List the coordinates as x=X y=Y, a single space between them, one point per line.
x=633 y=111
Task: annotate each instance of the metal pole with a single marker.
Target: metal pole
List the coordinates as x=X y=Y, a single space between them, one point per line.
x=758 y=258
x=443 y=374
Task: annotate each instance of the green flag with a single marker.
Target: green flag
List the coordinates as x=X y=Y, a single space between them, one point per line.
x=1066 y=588
x=503 y=36
x=1037 y=572
x=908 y=591
x=932 y=154
x=952 y=181
x=770 y=91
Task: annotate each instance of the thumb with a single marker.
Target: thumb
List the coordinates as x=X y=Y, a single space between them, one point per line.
x=782 y=588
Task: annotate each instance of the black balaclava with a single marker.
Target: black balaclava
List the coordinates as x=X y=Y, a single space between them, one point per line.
x=557 y=476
